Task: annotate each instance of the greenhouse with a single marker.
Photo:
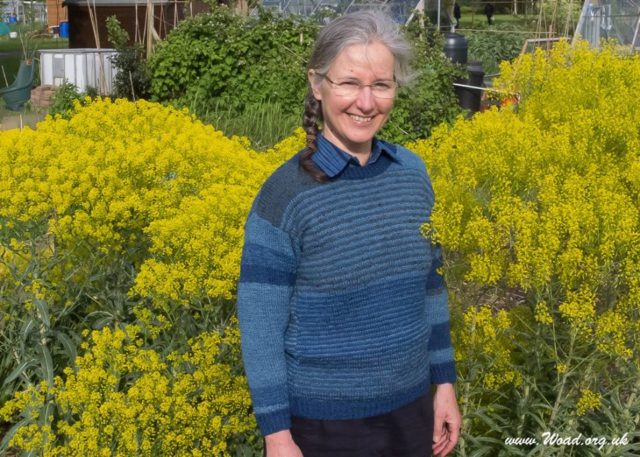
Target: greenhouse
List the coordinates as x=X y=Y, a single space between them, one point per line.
x=610 y=19
x=401 y=10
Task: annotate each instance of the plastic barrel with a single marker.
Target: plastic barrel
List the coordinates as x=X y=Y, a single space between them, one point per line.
x=63 y=31
x=470 y=98
x=456 y=47
x=13 y=19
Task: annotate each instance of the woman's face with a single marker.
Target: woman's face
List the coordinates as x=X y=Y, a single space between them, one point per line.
x=351 y=122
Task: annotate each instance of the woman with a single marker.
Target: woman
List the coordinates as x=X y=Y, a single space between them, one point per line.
x=343 y=314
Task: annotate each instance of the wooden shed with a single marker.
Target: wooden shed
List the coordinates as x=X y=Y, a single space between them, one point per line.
x=87 y=18
x=56 y=13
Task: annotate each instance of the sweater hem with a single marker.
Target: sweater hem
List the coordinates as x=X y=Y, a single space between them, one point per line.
x=339 y=409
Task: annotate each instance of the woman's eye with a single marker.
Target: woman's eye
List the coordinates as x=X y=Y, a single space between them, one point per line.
x=382 y=86
x=349 y=84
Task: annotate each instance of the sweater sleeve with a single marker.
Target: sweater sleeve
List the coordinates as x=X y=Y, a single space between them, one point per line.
x=267 y=275
x=443 y=368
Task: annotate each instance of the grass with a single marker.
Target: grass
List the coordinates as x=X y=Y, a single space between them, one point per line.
x=14 y=45
x=476 y=18
x=265 y=124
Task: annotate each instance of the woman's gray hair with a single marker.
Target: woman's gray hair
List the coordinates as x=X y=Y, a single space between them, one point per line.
x=362 y=27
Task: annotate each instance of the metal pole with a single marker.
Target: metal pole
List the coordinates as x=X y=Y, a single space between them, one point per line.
x=439 y=15
x=486 y=89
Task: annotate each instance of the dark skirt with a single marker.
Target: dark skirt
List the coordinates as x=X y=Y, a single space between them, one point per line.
x=404 y=432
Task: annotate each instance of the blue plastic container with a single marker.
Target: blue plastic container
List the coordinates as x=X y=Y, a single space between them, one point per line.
x=13 y=19
x=63 y=31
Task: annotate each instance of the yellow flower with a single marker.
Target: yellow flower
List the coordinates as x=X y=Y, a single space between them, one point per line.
x=588 y=401
x=542 y=314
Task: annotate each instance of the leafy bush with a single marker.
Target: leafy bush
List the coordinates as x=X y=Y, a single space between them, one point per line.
x=494 y=45
x=62 y=101
x=431 y=99
x=132 y=80
x=538 y=211
x=235 y=61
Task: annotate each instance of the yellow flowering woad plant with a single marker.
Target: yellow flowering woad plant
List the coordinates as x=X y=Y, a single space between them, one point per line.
x=538 y=210
x=127 y=219
x=124 y=399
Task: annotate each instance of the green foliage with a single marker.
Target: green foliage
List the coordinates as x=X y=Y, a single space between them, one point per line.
x=132 y=80
x=430 y=100
x=491 y=47
x=118 y=36
x=63 y=99
x=265 y=124
x=235 y=61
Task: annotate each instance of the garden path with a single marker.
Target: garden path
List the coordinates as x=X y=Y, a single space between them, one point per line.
x=12 y=121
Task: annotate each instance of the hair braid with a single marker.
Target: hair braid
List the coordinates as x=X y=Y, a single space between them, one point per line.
x=312 y=114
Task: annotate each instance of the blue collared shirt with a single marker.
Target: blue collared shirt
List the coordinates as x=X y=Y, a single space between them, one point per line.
x=332 y=160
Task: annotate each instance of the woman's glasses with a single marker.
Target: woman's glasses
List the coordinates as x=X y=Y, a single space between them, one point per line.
x=352 y=87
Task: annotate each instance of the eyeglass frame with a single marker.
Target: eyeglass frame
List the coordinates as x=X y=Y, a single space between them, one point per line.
x=361 y=85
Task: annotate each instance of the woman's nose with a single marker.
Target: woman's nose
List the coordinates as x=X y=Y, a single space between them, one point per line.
x=365 y=101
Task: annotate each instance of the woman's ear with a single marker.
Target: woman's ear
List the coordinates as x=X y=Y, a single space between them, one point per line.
x=315 y=84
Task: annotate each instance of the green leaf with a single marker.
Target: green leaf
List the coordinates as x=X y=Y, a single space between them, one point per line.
x=47 y=364
x=19 y=370
x=26 y=331
x=43 y=312
x=66 y=342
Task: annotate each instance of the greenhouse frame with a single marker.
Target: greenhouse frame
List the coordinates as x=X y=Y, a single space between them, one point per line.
x=610 y=19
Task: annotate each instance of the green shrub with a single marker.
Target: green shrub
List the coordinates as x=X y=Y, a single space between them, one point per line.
x=62 y=101
x=132 y=80
x=491 y=47
x=430 y=100
x=235 y=60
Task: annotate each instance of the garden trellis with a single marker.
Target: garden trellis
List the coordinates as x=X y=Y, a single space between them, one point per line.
x=610 y=19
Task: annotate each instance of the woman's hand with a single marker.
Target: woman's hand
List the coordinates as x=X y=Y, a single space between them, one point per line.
x=447 y=420
x=280 y=444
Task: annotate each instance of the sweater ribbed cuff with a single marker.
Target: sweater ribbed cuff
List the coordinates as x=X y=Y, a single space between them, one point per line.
x=443 y=373
x=274 y=422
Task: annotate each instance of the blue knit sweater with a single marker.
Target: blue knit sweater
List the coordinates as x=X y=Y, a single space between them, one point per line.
x=342 y=311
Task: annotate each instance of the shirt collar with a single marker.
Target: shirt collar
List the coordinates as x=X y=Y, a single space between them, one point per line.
x=332 y=160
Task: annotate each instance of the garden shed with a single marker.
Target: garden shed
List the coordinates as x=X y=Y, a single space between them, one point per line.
x=87 y=18
x=56 y=13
